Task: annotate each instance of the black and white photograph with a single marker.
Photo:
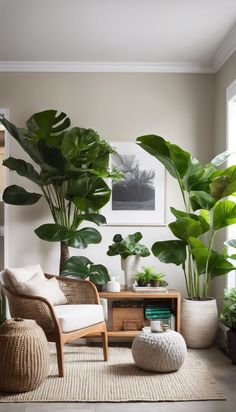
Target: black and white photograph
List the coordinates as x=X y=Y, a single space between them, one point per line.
x=138 y=198
x=136 y=191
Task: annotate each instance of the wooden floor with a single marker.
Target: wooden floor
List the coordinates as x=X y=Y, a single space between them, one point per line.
x=219 y=366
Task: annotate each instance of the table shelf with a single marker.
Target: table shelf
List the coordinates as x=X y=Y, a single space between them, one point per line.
x=172 y=294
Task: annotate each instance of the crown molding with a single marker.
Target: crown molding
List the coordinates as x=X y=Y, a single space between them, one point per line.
x=226 y=49
x=103 y=67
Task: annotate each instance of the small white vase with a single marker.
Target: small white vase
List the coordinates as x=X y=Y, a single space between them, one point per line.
x=199 y=319
x=130 y=266
x=113 y=285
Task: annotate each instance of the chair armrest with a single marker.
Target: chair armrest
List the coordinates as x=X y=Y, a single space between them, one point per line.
x=77 y=291
x=33 y=307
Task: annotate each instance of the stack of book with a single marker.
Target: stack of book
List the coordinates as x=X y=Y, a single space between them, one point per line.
x=159 y=313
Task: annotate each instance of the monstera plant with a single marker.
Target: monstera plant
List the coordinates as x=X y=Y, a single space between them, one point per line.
x=204 y=190
x=69 y=166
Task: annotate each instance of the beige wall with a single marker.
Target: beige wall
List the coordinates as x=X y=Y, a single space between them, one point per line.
x=178 y=107
x=224 y=77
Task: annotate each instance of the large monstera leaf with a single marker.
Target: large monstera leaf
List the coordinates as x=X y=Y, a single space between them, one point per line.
x=83 y=268
x=88 y=193
x=42 y=152
x=53 y=232
x=80 y=145
x=48 y=126
x=84 y=147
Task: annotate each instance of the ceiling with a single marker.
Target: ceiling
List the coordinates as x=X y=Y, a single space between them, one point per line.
x=148 y=33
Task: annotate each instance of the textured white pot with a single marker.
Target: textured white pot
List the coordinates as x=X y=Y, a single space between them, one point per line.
x=130 y=266
x=199 y=321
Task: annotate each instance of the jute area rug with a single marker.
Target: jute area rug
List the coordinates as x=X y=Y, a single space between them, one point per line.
x=89 y=379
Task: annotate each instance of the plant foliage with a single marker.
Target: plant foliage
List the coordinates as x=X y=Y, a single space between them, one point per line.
x=149 y=274
x=68 y=167
x=228 y=312
x=128 y=246
x=83 y=268
x=204 y=190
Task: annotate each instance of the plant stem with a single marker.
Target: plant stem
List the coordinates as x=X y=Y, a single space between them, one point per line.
x=64 y=255
x=186 y=282
x=190 y=277
x=207 y=279
x=47 y=196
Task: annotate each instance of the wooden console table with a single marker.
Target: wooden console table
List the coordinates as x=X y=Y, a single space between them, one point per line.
x=172 y=294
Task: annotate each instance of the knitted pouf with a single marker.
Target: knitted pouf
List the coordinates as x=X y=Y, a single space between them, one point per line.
x=159 y=352
x=24 y=355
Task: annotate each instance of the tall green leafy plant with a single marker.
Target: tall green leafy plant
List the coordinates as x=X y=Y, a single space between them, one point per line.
x=204 y=190
x=228 y=311
x=68 y=167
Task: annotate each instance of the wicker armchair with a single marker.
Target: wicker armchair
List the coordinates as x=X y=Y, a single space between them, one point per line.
x=37 y=308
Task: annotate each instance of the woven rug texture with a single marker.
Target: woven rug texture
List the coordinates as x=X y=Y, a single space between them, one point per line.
x=89 y=379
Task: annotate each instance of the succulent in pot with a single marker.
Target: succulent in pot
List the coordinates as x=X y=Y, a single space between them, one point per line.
x=158 y=280
x=141 y=279
x=148 y=277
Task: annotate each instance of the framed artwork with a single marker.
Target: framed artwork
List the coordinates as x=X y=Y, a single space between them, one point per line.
x=138 y=199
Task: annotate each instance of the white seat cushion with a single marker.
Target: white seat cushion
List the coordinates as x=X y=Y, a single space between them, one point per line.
x=74 y=317
x=104 y=304
x=13 y=276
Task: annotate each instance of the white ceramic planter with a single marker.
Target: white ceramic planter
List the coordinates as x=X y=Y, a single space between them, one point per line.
x=130 y=266
x=199 y=321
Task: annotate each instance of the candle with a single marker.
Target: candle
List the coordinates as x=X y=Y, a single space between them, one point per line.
x=156 y=326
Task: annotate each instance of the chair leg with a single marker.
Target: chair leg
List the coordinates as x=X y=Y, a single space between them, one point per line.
x=105 y=345
x=60 y=358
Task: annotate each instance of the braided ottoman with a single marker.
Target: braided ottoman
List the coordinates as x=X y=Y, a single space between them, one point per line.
x=24 y=356
x=159 y=352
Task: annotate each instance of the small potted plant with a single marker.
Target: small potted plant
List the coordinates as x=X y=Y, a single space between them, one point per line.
x=228 y=318
x=157 y=279
x=143 y=277
x=130 y=249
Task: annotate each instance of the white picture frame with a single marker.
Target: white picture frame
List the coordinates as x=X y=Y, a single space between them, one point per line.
x=139 y=199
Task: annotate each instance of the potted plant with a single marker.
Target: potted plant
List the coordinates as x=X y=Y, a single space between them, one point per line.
x=141 y=279
x=148 y=277
x=157 y=280
x=71 y=164
x=204 y=190
x=228 y=318
x=130 y=250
